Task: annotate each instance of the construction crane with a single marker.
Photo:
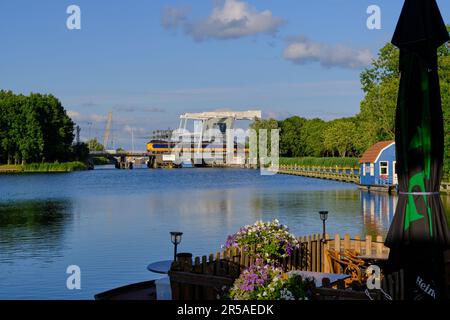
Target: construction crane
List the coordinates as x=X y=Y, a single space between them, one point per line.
x=107 y=130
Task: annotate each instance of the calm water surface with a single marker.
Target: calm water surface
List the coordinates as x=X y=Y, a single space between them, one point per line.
x=112 y=223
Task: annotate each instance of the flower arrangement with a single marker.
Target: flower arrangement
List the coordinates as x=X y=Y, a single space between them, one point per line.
x=263 y=281
x=272 y=241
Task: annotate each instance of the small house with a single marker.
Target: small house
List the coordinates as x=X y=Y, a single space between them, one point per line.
x=378 y=165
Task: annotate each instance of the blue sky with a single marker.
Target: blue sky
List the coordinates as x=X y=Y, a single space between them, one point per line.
x=149 y=61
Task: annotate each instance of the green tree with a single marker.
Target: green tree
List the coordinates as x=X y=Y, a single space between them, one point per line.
x=80 y=152
x=34 y=128
x=339 y=136
x=444 y=77
x=94 y=145
x=378 y=110
x=291 y=143
x=380 y=81
x=312 y=137
x=267 y=124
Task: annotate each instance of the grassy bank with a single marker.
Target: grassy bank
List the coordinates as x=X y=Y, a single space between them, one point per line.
x=44 y=167
x=321 y=162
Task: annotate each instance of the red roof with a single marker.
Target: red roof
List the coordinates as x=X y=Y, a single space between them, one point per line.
x=373 y=152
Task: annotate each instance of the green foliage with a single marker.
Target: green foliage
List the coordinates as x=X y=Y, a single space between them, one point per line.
x=100 y=161
x=45 y=167
x=266 y=282
x=54 y=167
x=384 y=68
x=268 y=125
x=291 y=142
x=329 y=162
x=312 y=138
x=339 y=136
x=380 y=82
x=444 y=77
x=80 y=152
x=94 y=145
x=34 y=128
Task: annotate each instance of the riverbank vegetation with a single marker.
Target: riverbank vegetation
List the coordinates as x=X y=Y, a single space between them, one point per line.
x=43 y=167
x=328 y=162
x=37 y=133
x=350 y=137
x=99 y=161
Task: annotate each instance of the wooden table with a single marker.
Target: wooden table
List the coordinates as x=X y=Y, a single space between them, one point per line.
x=319 y=276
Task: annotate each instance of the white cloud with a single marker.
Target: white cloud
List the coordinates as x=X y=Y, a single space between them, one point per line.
x=229 y=19
x=136 y=130
x=303 y=50
x=73 y=114
x=78 y=117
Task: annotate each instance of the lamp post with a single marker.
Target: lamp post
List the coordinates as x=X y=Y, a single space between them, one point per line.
x=323 y=217
x=175 y=237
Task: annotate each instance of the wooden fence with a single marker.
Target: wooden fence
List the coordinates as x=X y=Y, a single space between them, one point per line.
x=204 y=277
x=367 y=246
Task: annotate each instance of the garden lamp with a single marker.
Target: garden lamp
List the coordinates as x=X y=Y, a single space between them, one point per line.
x=175 y=237
x=323 y=217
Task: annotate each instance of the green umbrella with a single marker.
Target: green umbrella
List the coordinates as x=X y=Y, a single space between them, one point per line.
x=419 y=232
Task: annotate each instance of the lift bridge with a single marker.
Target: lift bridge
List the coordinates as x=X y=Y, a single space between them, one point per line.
x=202 y=123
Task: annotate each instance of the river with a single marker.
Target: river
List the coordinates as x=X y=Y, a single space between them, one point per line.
x=112 y=223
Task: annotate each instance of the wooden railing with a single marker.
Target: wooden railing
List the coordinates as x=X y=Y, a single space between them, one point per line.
x=344 y=174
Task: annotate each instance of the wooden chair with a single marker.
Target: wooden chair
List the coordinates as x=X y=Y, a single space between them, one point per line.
x=352 y=255
x=337 y=264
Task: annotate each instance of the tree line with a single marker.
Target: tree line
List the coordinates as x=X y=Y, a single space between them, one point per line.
x=36 y=128
x=350 y=137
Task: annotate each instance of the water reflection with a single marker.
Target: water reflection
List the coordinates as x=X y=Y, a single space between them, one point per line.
x=378 y=210
x=112 y=223
x=33 y=229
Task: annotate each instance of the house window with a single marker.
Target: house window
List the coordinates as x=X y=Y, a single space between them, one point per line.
x=384 y=168
x=372 y=170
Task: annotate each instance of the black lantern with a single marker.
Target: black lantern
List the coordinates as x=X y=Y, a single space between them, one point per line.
x=175 y=237
x=323 y=217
